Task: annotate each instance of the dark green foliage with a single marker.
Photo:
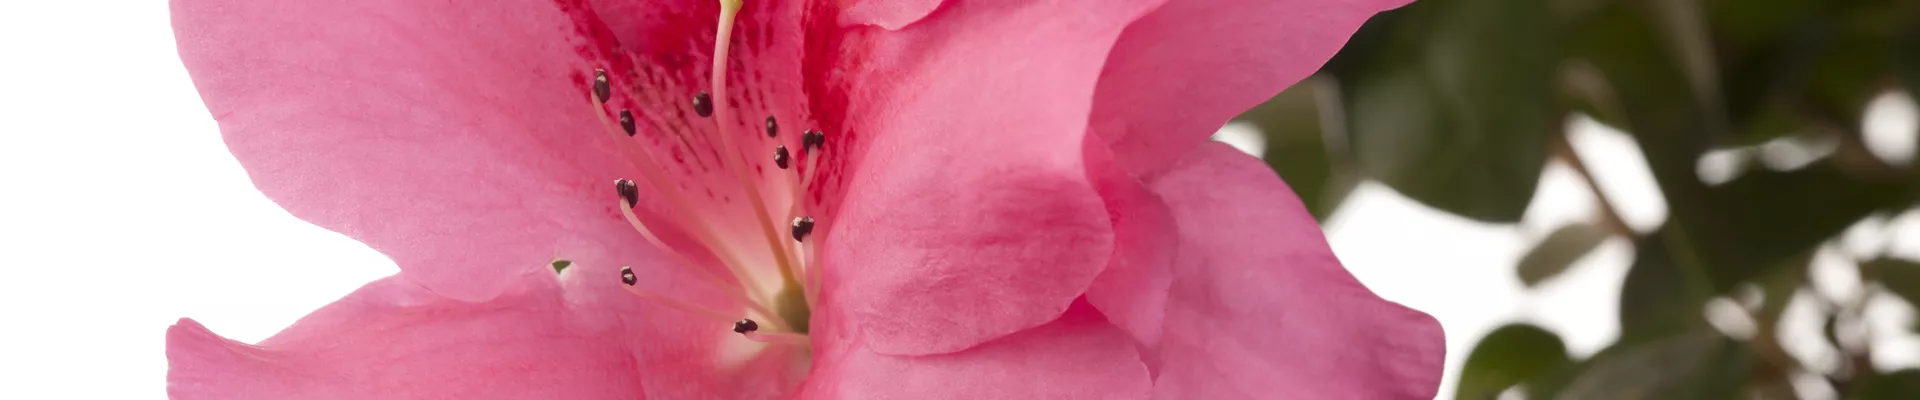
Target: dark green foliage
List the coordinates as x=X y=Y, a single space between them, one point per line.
x=1510 y=355
x=1459 y=103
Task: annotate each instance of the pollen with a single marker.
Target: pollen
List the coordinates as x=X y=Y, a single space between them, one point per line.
x=745 y=325
x=601 y=89
x=703 y=104
x=802 y=226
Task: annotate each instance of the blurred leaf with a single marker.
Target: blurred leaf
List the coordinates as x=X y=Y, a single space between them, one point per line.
x=1741 y=229
x=1296 y=145
x=1777 y=288
x=1758 y=221
x=1902 y=277
x=1694 y=365
x=1906 y=51
x=1742 y=25
x=1449 y=106
x=1559 y=250
x=1897 y=385
x=1656 y=300
x=1846 y=72
x=1809 y=66
x=1509 y=355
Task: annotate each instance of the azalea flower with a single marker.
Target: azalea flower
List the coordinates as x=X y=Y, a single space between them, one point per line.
x=622 y=199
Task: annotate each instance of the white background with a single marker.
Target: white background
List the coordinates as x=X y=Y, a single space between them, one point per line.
x=120 y=212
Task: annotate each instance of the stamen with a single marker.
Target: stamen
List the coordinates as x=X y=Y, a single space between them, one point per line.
x=812 y=140
x=626 y=122
x=778 y=338
x=816 y=277
x=802 y=226
x=703 y=104
x=811 y=143
x=642 y=162
x=804 y=259
x=629 y=193
x=736 y=161
x=751 y=299
x=745 y=325
x=601 y=89
x=627 y=277
x=780 y=157
x=773 y=130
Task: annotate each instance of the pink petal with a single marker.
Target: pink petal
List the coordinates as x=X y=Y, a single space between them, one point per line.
x=1132 y=291
x=455 y=137
x=889 y=14
x=1179 y=72
x=1078 y=356
x=681 y=355
x=969 y=215
x=394 y=340
x=1264 y=310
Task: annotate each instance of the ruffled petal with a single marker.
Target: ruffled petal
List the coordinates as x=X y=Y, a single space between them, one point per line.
x=454 y=137
x=1260 y=308
x=393 y=339
x=969 y=214
x=1183 y=70
x=1079 y=356
x=1132 y=291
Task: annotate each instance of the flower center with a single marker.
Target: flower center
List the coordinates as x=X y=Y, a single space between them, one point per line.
x=791 y=265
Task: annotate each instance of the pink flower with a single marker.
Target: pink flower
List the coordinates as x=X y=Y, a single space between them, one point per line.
x=911 y=199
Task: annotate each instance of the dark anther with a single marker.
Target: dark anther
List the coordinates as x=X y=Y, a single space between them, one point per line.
x=745 y=325
x=812 y=140
x=773 y=130
x=703 y=105
x=601 y=89
x=628 y=192
x=780 y=156
x=801 y=227
x=626 y=121
x=626 y=276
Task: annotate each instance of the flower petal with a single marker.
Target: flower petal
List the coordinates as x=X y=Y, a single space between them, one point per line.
x=1260 y=308
x=969 y=215
x=682 y=355
x=455 y=137
x=394 y=340
x=889 y=14
x=1181 y=71
x=1078 y=356
x=1132 y=291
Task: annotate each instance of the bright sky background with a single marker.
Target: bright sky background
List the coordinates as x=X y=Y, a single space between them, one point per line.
x=122 y=212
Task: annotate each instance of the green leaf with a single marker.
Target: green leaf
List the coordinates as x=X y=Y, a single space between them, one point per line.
x=1794 y=66
x=1902 y=277
x=1699 y=364
x=1739 y=230
x=1764 y=218
x=1897 y=385
x=1906 y=54
x=1507 y=356
x=1297 y=146
x=1657 y=300
x=1558 y=251
x=1452 y=108
x=561 y=265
